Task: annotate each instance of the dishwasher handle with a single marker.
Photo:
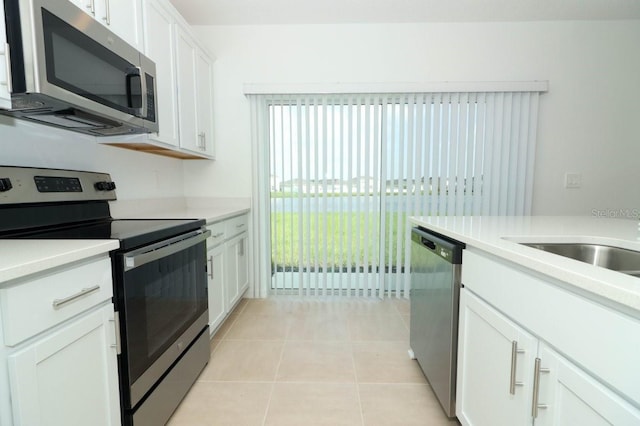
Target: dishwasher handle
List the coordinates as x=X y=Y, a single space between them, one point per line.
x=446 y=248
x=427 y=243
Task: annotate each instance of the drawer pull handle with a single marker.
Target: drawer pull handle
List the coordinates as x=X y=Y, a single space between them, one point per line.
x=116 y=326
x=218 y=235
x=240 y=225
x=58 y=303
x=514 y=355
x=210 y=272
x=535 y=406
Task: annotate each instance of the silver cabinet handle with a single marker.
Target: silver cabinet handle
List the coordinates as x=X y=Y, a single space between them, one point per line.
x=107 y=16
x=535 y=406
x=92 y=7
x=210 y=273
x=218 y=235
x=7 y=62
x=202 y=141
x=116 y=326
x=240 y=225
x=514 y=361
x=58 y=303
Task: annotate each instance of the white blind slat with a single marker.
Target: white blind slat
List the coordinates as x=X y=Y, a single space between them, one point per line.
x=479 y=151
x=531 y=151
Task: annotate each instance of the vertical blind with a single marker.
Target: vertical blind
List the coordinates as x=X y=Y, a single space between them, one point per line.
x=338 y=175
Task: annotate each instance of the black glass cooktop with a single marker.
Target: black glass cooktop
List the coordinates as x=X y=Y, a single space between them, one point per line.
x=131 y=232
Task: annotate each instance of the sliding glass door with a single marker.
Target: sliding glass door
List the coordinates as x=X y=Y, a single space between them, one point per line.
x=346 y=172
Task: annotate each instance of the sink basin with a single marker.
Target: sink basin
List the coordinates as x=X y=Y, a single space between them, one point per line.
x=614 y=258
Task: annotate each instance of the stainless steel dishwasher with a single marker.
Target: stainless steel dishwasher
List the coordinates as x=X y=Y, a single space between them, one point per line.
x=435 y=294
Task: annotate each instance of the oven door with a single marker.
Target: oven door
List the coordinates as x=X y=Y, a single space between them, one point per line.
x=163 y=307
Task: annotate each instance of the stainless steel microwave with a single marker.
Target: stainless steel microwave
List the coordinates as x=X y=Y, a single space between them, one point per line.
x=68 y=70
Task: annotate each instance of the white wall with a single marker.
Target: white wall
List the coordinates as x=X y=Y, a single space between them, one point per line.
x=137 y=175
x=589 y=121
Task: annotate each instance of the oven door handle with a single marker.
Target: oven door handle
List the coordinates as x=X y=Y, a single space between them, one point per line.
x=157 y=251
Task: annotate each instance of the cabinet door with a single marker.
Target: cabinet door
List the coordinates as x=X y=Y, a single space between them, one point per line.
x=69 y=377
x=160 y=47
x=233 y=250
x=205 y=102
x=186 y=71
x=216 y=271
x=569 y=397
x=487 y=356
x=122 y=17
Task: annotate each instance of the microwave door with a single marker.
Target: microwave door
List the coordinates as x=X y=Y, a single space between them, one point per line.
x=85 y=68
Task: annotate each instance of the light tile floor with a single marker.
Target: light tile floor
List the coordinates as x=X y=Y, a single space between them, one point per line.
x=295 y=361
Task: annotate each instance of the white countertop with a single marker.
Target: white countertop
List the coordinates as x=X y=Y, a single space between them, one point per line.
x=210 y=209
x=498 y=235
x=19 y=258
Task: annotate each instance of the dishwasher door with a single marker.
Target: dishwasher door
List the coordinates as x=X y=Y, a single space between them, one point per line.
x=435 y=294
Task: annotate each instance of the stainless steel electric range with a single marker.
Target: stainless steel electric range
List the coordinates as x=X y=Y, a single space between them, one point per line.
x=159 y=277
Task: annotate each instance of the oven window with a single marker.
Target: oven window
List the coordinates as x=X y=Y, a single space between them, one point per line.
x=83 y=66
x=169 y=306
x=161 y=300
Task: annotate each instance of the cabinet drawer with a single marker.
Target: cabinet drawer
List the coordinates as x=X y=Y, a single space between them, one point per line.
x=37 y=304
x=236 y=225
x=217 y=236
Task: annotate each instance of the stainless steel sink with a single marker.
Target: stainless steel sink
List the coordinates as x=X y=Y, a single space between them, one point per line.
x=614 y=258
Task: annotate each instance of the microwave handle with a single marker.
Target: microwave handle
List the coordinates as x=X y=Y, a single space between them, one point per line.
x=137 y=72
x=143 y=88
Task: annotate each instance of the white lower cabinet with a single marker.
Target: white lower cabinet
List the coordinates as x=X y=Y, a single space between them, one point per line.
x=237 y=268
x=68 y=377
x=487 y=367
x=506 y=376
x=572 y=397
x=58 y=348
x=227 y=266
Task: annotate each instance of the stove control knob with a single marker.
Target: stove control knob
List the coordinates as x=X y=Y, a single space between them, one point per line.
x=105 y=186
x=5 y=184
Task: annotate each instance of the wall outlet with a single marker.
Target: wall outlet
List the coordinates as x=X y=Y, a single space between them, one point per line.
x=572 y=180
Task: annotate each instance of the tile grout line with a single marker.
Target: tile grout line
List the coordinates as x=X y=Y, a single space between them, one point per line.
x=275 y=378
x=357 y=383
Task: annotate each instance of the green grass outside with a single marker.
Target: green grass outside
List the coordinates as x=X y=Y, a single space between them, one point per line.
x=292 y=247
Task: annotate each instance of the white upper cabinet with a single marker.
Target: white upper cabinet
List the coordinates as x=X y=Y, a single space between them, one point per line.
x=123 y=17
x=194 y=95
x=183 y=81
x=204 y=98
x=160 y=48
x=5 y=92
x=186 y=55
